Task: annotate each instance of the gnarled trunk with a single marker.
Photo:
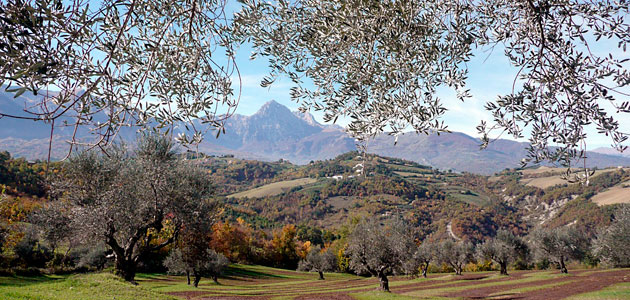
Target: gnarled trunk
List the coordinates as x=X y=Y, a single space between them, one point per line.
x=215 y=278
x=563 y=268
x=197 y=279
x=125 y=268
x=321 y=275
x=503 y=268
x=383 y=282
x=425 y=268
x=458 y=270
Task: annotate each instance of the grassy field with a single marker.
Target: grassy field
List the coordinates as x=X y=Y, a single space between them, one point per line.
x=257 y=282
x=275 y=188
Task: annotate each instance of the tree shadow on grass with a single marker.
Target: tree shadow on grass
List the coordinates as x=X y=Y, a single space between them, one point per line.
x=234 y=272
x=17 y=280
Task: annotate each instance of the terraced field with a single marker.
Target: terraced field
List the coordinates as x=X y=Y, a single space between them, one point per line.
x=256 y=282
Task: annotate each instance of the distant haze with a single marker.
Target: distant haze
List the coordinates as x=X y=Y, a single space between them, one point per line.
x=275 y=132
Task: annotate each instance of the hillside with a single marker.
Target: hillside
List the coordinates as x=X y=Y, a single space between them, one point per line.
x=327 y=194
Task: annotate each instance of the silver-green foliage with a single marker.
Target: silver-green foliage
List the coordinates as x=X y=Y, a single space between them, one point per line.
x=209 y=263
x=136 y=202
x=559 y=245
x=612 y=245
x=114 y=63
x=503 y=249
x=456 y=254
x=319 y=261
x=380 y=249
x=381 y=62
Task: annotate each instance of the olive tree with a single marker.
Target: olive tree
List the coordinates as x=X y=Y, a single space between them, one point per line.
x=503 y=249
x=134 y=202
x=320 y=261
x=53 y=221
x=192 y=254
x=381 y=63
x=455 y=254
x=612 y=245
x=425 y=253
x=207 y=263
x=380 y=249
x=559 y=245
x=105 y=65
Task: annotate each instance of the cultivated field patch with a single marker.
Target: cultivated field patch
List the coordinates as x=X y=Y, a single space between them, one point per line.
x=617 y=194
x=273 y=189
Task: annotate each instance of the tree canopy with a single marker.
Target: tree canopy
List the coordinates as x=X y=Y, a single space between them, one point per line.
x=136 y=203
x=380 y=63
x=110 y=64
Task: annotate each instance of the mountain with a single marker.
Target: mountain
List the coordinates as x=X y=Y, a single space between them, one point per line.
x=275 y=132
x=461 y=152
x=611 y=151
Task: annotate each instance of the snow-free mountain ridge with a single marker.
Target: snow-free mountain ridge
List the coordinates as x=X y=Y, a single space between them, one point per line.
x=275 y=132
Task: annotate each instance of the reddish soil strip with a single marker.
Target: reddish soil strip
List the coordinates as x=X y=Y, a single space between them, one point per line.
x=331 y=296
x=230 y=298
x=588 y=284
x=470 y=280
x=582 y=284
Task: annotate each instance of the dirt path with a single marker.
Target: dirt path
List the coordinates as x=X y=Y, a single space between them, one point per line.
x=449 y=228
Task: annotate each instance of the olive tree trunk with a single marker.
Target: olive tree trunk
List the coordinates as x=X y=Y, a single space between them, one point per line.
x=563 y=267
x=503 y=268
x=197 y=279
x=425 y=268
x=125 y=268
x=383 y=282
x=458 y=270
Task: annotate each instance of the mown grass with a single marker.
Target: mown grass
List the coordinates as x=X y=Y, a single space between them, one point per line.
x=379 y=296
x=615 y=292
x=96 y=286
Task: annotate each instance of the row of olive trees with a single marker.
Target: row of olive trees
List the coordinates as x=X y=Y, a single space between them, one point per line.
x=383 y=249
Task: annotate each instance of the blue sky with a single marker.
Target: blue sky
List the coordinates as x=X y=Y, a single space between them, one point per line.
x=489 y=75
